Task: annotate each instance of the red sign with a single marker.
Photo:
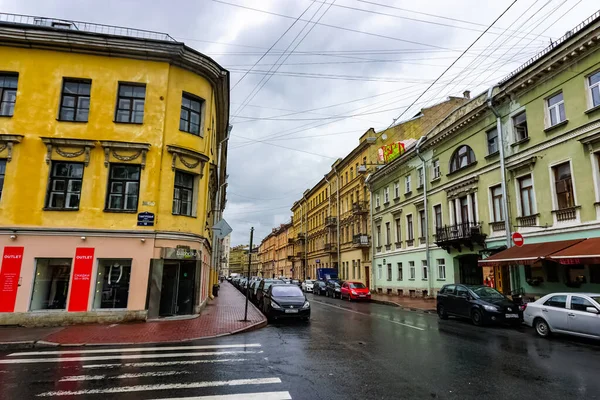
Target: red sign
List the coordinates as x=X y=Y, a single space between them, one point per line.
x=82 y=279
x=9 y=277
x=517 y=239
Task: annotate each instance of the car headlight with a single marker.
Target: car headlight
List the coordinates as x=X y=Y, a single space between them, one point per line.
x=306 y=305
x=353 y=292
x=275 y=305
x=368 y=293
x=491 y=308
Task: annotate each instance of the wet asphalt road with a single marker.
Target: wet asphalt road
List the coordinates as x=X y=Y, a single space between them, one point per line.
x=347 y=351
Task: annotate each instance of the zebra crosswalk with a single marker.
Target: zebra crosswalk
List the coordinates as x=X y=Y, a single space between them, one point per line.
x=203 y=372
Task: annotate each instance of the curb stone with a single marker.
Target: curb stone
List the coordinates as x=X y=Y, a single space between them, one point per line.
x=391 y=303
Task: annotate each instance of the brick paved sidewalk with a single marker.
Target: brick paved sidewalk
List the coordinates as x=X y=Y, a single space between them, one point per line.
x=411 y=303
x=221 y=316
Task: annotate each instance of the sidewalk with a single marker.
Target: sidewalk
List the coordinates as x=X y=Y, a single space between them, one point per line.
x=409 y=303
x=222 y=316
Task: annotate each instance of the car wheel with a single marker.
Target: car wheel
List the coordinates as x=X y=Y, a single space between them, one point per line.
x=477 y=317
x=349 y=298
x=542 y=328
x=442 y=312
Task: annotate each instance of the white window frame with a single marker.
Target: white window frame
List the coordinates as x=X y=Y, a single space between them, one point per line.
x=407 y=184
x=420 y=177
x=441 y=268
x=512 y=125
x=594 y=155
x=487 y=138
x=396 y=190
x=577 y=219
x=377 y=200
x=379 y=272
x=424 y=271
x=556 y=107
x=386 y=195
x=412 y=271
x=491 y=202
x=408 y=237
x=518 y=191
x=433 y=214
x=588 y=90
x=436 y=169
x=399 y=271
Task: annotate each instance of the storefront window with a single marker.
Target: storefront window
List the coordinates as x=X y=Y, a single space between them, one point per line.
x=112 y=284
x=51 y=284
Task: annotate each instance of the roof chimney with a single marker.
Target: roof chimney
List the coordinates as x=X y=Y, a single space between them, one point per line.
x=467 y=94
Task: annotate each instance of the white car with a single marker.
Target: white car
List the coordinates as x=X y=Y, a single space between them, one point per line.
x=307 y=286
x=569 y=313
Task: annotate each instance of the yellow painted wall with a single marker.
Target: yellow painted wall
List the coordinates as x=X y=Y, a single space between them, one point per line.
x=41 y=74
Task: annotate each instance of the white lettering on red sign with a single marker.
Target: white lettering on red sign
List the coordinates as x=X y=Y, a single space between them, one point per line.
x=13 y=256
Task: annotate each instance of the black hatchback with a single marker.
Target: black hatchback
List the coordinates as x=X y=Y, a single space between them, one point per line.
x=481 y=304
x=285 y=301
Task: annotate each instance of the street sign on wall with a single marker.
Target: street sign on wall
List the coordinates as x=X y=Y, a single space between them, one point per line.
x=517 y=239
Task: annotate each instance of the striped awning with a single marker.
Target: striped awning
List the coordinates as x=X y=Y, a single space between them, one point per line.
x=528 y=254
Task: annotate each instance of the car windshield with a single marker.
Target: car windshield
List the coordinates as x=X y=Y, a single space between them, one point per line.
x=487 y=292
x=286 y=291
x=358 y=285
x=308 y=282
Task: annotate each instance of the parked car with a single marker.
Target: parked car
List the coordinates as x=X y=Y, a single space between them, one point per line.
x=286 y=280
x=296 y=282
x=263 y=287
x=319 y=288
x=482 y=304
x=307 y=286
x=333 y=289
x=567 y=313
x=354 y=291
x=253 y=289
x=285 y=301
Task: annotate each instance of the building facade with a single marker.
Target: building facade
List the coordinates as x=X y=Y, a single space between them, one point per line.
x=225 y=250
x=108 y=153
x=299 y=219
x=542 y=123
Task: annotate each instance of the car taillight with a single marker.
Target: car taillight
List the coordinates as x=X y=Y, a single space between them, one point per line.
x=522 y=307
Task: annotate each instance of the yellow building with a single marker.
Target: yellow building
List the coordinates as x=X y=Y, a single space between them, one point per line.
x=321 y=245
x=284 y=250
x=300 y=228
x=109 y=150
x=238 y=261
x=267 y=255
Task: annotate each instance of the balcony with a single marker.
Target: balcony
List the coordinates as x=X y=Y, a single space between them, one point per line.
x=290 y=258
x=566 y=214
x=360 y=240
x=330 y=222
x=455 y=236
x=291 y=240
x=527 y=221
x=301 y=237
x=300 y=254
x=360 y=208
x=330 y=248
x=498 y=226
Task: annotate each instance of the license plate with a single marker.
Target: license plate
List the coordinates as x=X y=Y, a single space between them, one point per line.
x=291 y=311
x=362 y=295
x=512 y=315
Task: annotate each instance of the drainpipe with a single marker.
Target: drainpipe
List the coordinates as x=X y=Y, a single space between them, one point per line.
x=337 y=189
x=329 y=214
x=426 y=210
x=367 y=182
x=502 y=166
x=218 y=212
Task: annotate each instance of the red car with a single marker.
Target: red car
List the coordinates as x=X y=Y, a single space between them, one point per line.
x=355 y=291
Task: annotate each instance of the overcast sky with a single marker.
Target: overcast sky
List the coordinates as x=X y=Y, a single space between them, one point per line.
x=364 y=62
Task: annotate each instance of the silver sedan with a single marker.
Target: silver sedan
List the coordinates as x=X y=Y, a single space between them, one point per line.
x=568 y=313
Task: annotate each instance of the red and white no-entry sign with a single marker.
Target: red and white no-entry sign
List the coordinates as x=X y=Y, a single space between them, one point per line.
x=517 y=239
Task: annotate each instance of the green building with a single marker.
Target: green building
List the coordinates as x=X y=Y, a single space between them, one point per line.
x=548 y=112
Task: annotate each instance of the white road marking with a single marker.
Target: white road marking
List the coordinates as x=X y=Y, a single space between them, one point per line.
x=134 y=350
x=171 y=386
x=123 y=357
x=240 y=396
x=162 y=364
x=369 y=315
x=78 y=378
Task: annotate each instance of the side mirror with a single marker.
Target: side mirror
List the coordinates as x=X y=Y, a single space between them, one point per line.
x=465 y=295
x=592 y=310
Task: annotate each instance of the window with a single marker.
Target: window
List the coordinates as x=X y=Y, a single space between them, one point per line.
x=347 y=177
x=377 y=200
x=8 y=94
x=130 y=103
x=379 y=235
x=379 y=271
x=594 y=84
x=64 y=187
x=386 y=195
x=123 y=187
x=461 y=291
x=580 y=304
x=389 y=272
x=398 y=234
x=422 y=223
x=388 y=233
x=407 y=184
x=75 y=101
x=492 y=141
x=437 y=211
x=2 y=173
x=563 y=185
x=496 y=193
x=556 y=109
x=409 y=227
x=441 y=267
x=424 y=267
x=183 y=193
x=411 y=269
x=399 y=267
x=557 y=301
x=112 y=284
x=462 y=157
x=396 y=190
x=448 y=289
x=520 y=126
x=420 y=177
x=351 y=173
x=436 y=169
x=51 y=284
x=526 y=192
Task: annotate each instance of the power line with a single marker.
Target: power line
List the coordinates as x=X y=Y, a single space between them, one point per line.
x=288 y=148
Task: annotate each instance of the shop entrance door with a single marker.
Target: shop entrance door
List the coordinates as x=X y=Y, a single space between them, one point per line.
x=470 y=272
x=368 y=277
x=177 y=289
